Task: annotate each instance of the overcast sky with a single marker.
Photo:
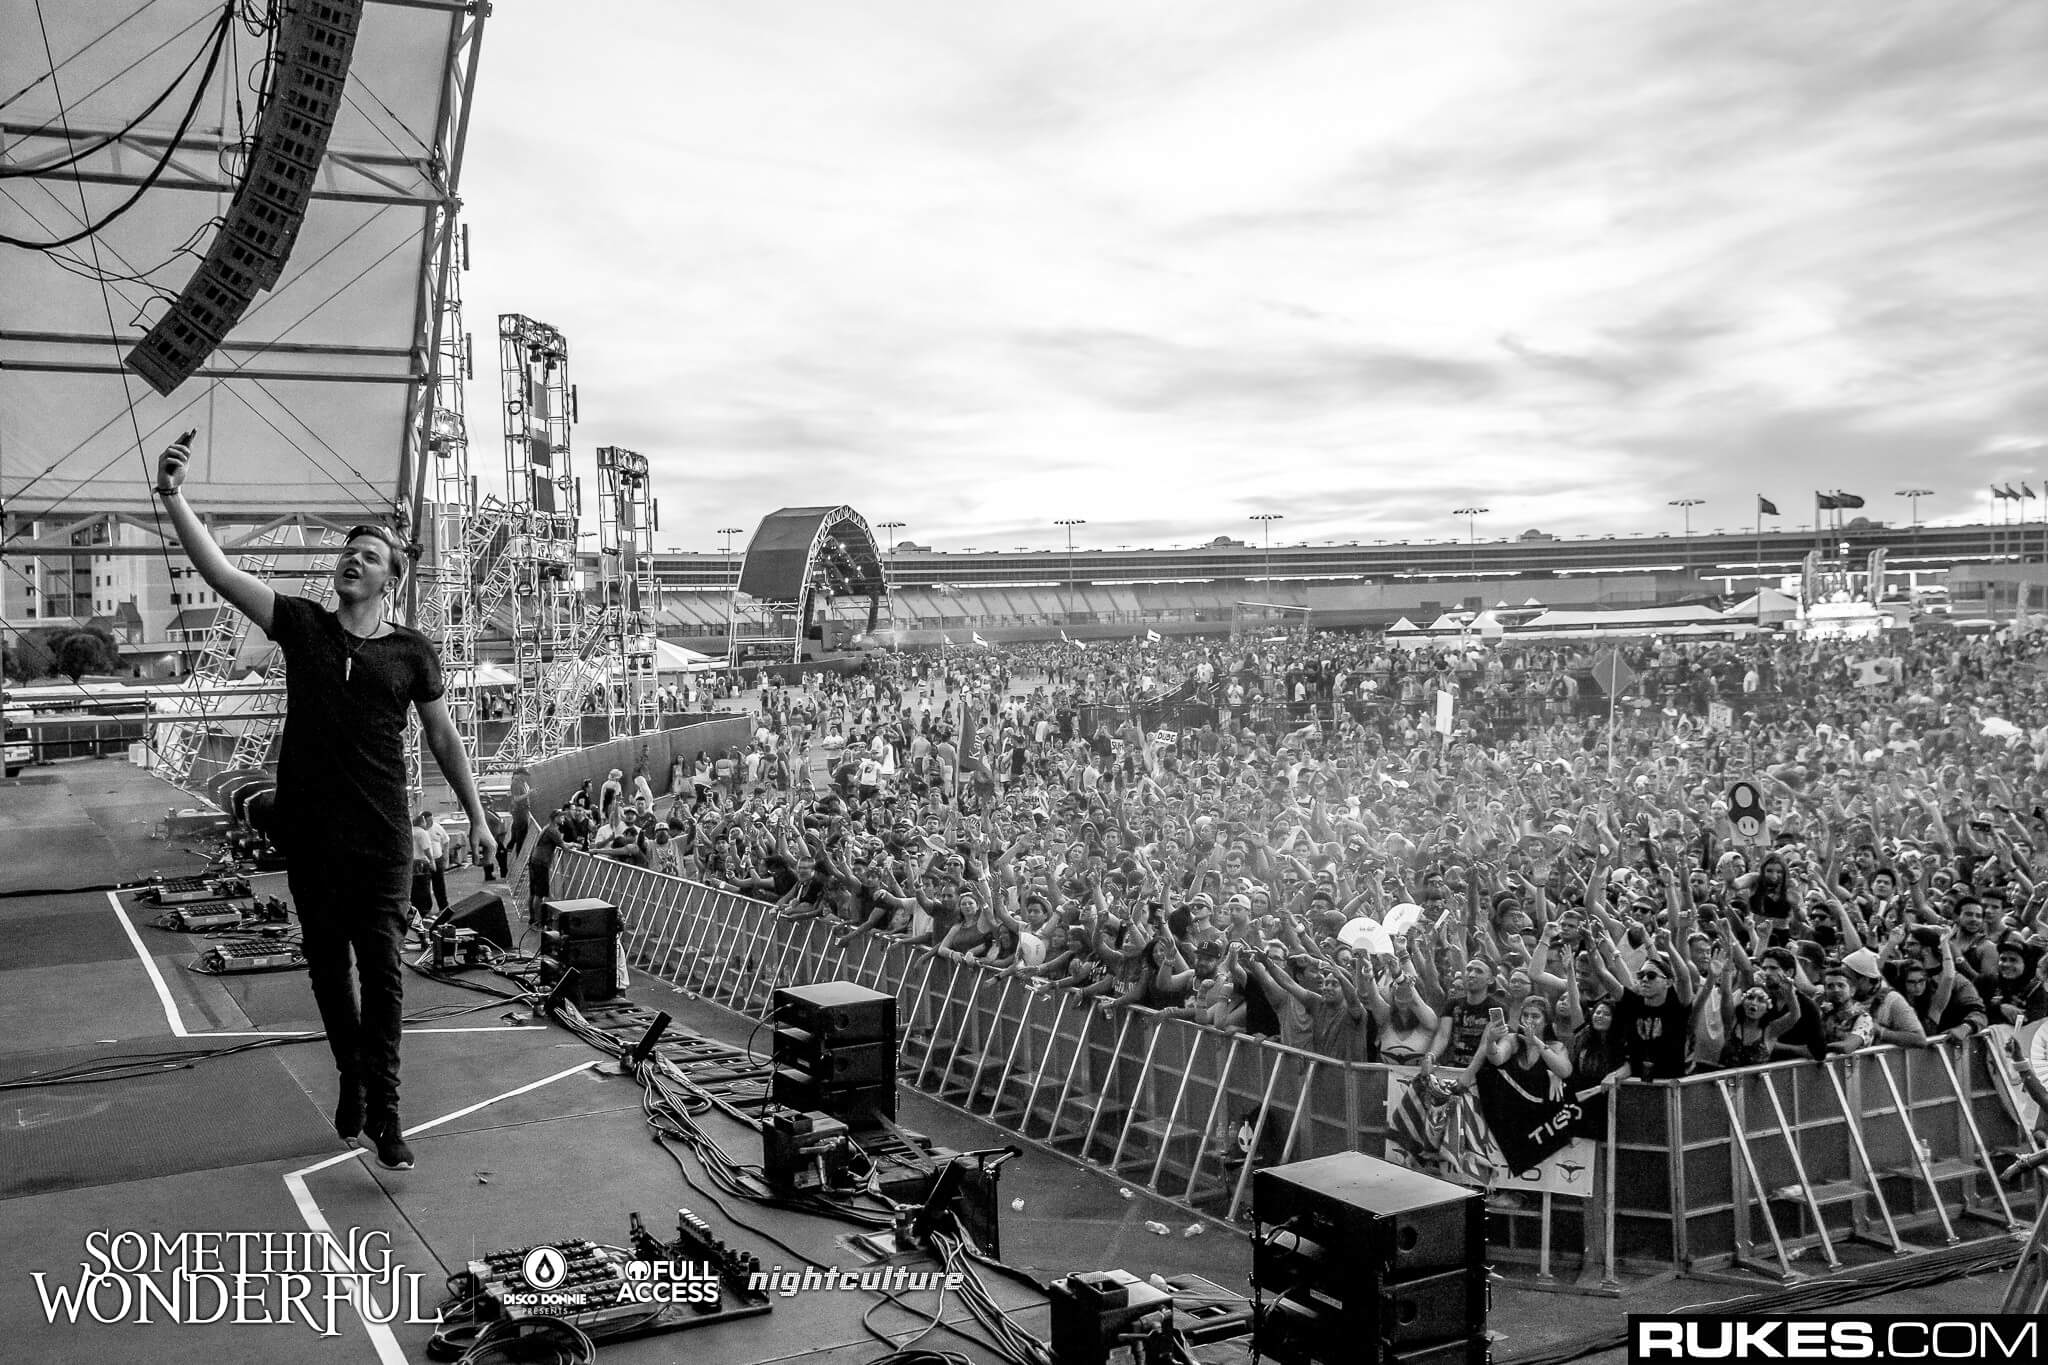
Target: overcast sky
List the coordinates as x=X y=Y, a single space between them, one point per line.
x=1162 y=266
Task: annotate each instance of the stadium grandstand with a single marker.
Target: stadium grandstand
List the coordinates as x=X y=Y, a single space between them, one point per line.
x=1214 y=586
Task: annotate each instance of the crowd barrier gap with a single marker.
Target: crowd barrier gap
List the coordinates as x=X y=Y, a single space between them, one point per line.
x=1779 y=1170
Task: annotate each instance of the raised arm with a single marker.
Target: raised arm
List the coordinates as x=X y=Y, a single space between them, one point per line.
x=248 y=594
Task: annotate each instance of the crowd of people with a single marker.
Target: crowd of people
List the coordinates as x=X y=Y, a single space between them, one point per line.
x=1279 y=836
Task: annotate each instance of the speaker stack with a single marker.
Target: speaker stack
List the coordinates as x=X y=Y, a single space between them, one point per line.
x=835 y=1053
x=315 y=42
x=579 y=946
x=1359 y=1260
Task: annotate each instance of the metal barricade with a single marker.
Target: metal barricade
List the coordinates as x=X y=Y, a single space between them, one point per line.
x=1779 y=1168
x=1887 y=1146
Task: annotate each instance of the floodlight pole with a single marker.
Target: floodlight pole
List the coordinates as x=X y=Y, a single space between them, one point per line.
x=1070 y=523
x=1267 y=519
x=732 y=596
x=890 y=528
x=1687 y=504
x=1472 y=515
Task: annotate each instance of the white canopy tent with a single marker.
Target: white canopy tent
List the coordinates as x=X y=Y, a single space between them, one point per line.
x=670 y=658
x=487 y=675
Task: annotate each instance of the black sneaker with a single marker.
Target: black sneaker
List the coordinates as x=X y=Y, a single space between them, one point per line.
x=392 y=1153
x=348 y=1109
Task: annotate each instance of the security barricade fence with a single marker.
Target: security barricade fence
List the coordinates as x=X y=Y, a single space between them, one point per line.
x=1785 y=1169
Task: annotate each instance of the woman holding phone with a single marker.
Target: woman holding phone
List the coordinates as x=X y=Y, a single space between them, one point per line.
x=1527 y=1051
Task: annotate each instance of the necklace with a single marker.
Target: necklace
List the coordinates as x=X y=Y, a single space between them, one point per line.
x=348 y=664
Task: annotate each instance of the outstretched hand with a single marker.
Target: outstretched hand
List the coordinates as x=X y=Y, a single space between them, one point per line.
x=170 y=466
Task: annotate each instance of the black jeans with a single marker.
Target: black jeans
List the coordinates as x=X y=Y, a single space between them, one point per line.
x=352 y=921
x=536 y=890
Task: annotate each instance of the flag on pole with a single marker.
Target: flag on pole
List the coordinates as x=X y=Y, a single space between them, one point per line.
x=1765 y=507
x=2027 y=492
x=970 y=742
x=1151 y=637
x=1998 y=492
x=1847 y=499
x=1824 y=502
x=946 y=639
x=978 y=640
x=1612 y=672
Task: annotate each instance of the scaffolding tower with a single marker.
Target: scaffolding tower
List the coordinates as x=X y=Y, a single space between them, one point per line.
x=184 y=757
x=543 y=496
x=627 y=591
x=447 y=607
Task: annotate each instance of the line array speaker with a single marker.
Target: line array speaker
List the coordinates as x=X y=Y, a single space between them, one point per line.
x=315 y=42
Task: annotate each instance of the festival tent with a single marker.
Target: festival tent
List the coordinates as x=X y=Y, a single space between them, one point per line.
x=1633 y=618
x=1402 y=627
x=1776 y=607
x=1489 y=626
x=670 y=658
x=487 y=675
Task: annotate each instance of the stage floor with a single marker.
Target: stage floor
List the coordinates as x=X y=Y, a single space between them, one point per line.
x=521 y=1138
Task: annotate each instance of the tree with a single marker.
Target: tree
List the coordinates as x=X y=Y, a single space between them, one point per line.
x=26 y=658
x=91 y=650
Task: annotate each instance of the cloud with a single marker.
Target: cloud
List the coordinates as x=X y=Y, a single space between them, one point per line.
x=1166 y=266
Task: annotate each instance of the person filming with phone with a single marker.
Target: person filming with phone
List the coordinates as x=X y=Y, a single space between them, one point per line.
x=351 y=675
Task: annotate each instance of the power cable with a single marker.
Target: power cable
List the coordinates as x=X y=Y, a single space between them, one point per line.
x=78 y=180
x=155 y=172
x=130 y=17
x=79 y=154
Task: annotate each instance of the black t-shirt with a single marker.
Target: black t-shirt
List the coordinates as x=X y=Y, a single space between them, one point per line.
x=2024 y=991
x=543 y=855
x=1653 y=1037
x=1468 y=1026
x=341 y=780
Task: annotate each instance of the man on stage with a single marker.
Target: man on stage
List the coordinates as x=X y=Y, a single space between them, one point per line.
x=351 y=673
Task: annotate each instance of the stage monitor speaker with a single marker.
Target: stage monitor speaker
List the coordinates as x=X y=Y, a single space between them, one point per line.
x=587 y=917
x=837 y=1012
x=1357 y=1259
x=483 y=911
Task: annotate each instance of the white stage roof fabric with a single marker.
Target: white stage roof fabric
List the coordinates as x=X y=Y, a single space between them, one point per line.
x=318 y=398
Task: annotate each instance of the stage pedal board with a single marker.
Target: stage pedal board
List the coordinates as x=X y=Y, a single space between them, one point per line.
x=202 y=917
x=237 y=956
x=192 y=890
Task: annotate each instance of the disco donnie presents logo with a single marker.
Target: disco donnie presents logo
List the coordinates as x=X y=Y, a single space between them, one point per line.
x=203 y=1278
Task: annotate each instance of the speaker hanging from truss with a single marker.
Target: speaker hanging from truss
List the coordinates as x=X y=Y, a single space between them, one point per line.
x=315 y=42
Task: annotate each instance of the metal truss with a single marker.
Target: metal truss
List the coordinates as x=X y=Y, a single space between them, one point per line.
x=446 y=609
x=181 y=745
x=627 y=518
x=540 y=482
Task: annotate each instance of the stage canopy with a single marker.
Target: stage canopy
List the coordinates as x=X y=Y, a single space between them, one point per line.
x=320 y=400
x=793 y=543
